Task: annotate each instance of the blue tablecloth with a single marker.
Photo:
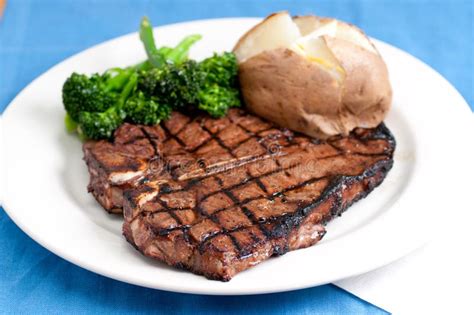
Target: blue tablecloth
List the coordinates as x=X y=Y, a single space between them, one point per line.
x=35 y=35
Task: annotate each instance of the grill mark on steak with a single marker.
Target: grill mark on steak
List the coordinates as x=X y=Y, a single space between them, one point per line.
x=235 y=201
x=258 y=181
x=150 y=140
x=135 y=139
x=259 y=138
x=173 y=136
x=250 y=217
x=219 y=141
x=169 y=210
x=235 y=191
x=251 y=136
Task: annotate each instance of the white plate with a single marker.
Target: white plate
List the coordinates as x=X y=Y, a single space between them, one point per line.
x=46 y=178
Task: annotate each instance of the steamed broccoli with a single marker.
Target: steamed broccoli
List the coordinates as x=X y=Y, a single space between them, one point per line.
x=93 y=104
x=100 y=125
x=216 y=100
x=141 y=109
x=97 y=92
x=218 y=91
x=159 y=57
x=174 y=81
x=210 y=85
x=96 y=105
x=220 y=69
x=147 y=93
x=83 y=93
x=173 y=85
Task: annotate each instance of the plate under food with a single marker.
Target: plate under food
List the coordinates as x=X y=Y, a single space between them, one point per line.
x=45 y=177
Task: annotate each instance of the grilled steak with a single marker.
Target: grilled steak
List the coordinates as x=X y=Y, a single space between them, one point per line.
x=118 y=165
x=217 y=196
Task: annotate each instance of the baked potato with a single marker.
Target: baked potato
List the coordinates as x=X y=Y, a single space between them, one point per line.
x=318 y=76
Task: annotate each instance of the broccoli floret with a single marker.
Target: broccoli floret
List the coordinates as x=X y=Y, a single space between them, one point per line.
x=210 y=85
x=83 y=93
x=216 y=100
x=220 y=69
x=174 y=85
x=97 y=92
x=94 y=104
x=141 y=109
x=218 y=91
x=100 y=125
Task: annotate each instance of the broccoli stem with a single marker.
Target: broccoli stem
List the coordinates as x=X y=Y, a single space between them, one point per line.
x=146 y=36
x=179 y=54
x=165 y=50
x=158 y=57
x=71 y=125
x=142 y=66
x=128 y=88
x=119 y=78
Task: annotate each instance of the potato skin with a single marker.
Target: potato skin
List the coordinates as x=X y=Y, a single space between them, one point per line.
x=367 y=93
x=285 y=88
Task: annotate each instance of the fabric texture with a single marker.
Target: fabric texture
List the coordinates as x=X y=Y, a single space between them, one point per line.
x=35 y=35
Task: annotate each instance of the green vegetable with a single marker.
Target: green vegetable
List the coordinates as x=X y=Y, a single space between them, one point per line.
x=83 y=93
x=93 y=104
x=100 y=125
x=174 y=85
x=141 y=109
x=147 y=93
x=216 y=100
x=180 y=53
x=218 y=90
x=155 y=57
x=71 y=125
x=161 y=56
x=210 y=85
x=221 y=69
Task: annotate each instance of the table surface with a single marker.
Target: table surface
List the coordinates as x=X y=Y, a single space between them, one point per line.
x=35 y=35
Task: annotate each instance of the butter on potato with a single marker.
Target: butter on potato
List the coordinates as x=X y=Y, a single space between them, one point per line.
x=319 y=76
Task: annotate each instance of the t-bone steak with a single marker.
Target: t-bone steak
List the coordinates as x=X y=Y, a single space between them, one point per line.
x=217 y=196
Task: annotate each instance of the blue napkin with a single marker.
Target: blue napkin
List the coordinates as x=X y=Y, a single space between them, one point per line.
x=35 y=35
